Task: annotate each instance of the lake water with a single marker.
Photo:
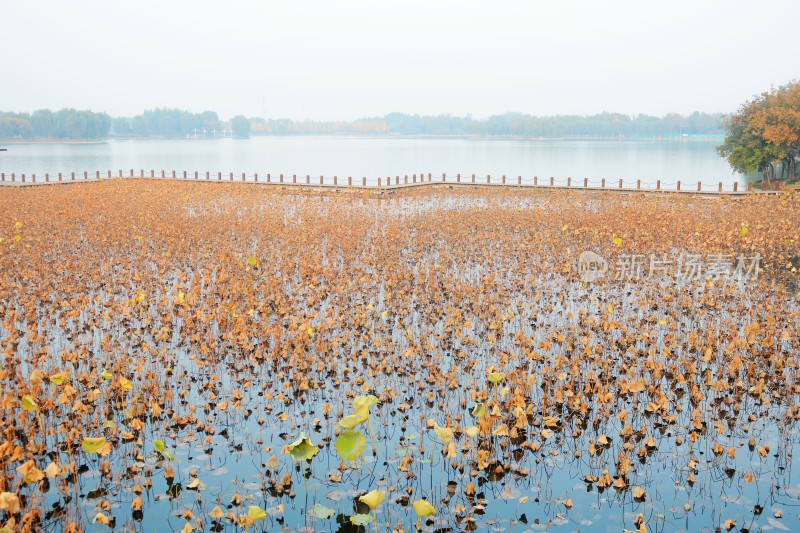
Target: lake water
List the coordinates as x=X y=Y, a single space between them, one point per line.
x=669 y=161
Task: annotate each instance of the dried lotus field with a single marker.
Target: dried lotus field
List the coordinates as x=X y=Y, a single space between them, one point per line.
x=231 y=357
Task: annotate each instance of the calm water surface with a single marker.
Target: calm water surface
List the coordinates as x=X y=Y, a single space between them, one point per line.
x=668 y=161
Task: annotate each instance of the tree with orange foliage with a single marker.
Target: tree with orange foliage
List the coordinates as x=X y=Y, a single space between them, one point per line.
x=765 y=133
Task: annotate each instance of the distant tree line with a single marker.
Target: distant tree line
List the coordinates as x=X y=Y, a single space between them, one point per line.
x=511 y=124
x=764 y=135
x=168 y=123
x=62 y=124
x=177 y=123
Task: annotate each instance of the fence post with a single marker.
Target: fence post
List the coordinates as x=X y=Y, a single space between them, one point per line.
x=364 y=181
x=504 y=179
x=658 y=185
x=97 y=174
x=269 y=177
x=569 y=181
x=255 y=177
x=535 y=180
x=13 y=178
x=320 y=180
x=585 y=182
x=335 y=181
x=85 y=175
x=397 y=180
x=699 y=186
x=294 y=178
x=230 y=178
x=488 y=178
x=444 y=177
x=749 y=187
x=46 y=177
x=638 y=184
x=2 y=176
x=59 y=177
x=414 y=178
x=679 y=185
x=219 y=176
x=735 y=186
x=23 y=178
x=72 y=176
x=379 y=182
x=33 y=178
x=152 y=173
x=430 y=177
x=208 y=175
x=620 y=184
x=720 y=186
x=163 y=174
x=763 y=185
x=131 y=172
x=458 y=178
x=196 y=174
x=473 y=178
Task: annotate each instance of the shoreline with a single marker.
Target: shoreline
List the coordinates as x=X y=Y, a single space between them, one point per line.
x=703 y=138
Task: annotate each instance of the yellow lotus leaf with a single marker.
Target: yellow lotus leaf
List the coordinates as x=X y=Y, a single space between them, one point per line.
x=106 y=375
x=18 y=224
x=216 y=513
x=366 y=401
x=496 y=377
x=181 y=298
x=472 y=431
x=136 y=503
x=445 y=434
x=617 y=241
x=350 y=445
x=255 y=513
x=745 y=229
x=52 y=470
x=252 y=261
x=362 y=520
x=302 y=449
x=125 y=384
x=36 y=377
x=140 y=296
x=351 y=421
x=479 y=410
x=17 y=238
x=29 y=472
x=28 y=403
x=58 y=379
x=93 y=444
x=9 y=502
x=373 y=498
x=423 y=508
x=101 y=518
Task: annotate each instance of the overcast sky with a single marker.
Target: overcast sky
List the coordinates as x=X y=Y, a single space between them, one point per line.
x=336 y=59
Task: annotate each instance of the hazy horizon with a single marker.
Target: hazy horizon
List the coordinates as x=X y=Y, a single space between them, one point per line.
x=343 y=61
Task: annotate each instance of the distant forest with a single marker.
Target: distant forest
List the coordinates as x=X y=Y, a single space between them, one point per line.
x=176 y=123
x=62 y=124
x=511 y=124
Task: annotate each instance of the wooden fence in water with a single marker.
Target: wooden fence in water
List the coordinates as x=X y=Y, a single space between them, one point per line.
x=387 y=184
